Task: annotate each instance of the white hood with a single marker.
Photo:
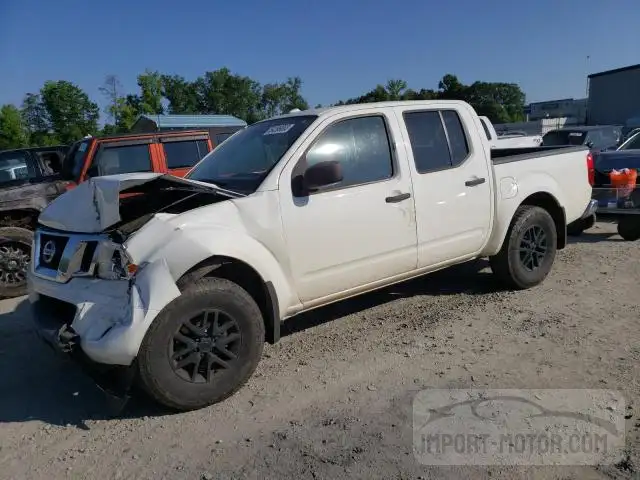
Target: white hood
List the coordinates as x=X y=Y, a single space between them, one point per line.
x=94 y=205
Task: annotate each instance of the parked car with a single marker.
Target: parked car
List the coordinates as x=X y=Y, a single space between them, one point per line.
x=508 y=141
x=179 y=285
x=626 y=156
x=172 y=152
x=29 y=180
x=597 y=138
x=22 y=199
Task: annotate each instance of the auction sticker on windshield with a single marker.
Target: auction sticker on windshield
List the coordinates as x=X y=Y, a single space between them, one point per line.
x=279 y=129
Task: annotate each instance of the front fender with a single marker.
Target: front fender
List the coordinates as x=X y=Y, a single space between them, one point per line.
x=184 y=249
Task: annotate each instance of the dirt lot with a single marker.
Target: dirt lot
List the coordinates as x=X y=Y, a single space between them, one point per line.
x=334 y=398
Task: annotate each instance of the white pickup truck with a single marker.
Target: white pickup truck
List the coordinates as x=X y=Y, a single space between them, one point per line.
x=179 y=282
x=496 y=141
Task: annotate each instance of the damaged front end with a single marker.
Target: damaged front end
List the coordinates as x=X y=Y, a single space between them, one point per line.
x=90 y=298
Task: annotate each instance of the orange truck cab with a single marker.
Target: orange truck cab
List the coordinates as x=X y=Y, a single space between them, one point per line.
x=159 y=143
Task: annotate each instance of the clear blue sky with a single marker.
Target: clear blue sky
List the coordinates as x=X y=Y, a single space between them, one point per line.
x=340 y=48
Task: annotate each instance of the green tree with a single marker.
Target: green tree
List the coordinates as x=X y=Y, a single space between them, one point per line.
x=36 y=121
x=12 y=131
x=181 y=94
x=151 y=88
x=122 y=111
x=450 y=88
x=279 y=98
x=71 y=113
x=395 y=89
x=222 y=92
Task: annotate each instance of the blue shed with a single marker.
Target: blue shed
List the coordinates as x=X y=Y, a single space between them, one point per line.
x=219 y=126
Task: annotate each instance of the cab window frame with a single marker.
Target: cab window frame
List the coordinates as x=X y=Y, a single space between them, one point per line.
x=301 y=164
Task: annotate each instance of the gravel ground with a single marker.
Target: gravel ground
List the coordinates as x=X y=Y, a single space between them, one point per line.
x=334 y=398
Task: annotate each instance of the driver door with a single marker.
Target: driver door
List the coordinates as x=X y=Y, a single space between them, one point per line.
x=345 y=237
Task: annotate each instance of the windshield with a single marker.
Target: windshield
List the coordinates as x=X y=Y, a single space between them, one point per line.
x=74 y=160
x=632 y=143
x=242 y=161
x=563 y=137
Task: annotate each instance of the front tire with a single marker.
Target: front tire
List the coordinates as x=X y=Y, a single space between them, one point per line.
x=202 y=347
x=529 y=249
x=15 y=255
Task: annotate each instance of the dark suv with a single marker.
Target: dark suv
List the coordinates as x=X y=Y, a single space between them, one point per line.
x=598 y=138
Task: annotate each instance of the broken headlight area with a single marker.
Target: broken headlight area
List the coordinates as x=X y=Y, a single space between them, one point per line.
x=113 y=262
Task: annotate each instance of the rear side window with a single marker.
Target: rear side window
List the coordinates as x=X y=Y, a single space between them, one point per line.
x=15 y=166
x=185 y=154
x=428 y=140
x=125 y=159
x=457 y=138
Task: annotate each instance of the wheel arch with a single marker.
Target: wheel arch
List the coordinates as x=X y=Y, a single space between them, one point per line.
x=543 y=199
x=247 y=277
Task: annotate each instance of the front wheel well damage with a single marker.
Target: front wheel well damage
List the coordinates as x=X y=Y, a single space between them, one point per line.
x=238 y=272
x=550 y=204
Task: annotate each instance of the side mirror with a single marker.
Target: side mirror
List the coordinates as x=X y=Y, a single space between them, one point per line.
x=321 y=175
x=589 y=144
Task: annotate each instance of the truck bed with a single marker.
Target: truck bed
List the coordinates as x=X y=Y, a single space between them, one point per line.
x=506 y=155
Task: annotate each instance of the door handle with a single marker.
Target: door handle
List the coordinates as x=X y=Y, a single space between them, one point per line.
x=397 y=198
x=474 y=182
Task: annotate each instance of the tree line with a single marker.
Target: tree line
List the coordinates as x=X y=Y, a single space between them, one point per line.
x=61 y=112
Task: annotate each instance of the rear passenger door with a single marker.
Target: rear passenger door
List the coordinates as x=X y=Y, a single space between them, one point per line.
x=451 y=181
x=181 y=154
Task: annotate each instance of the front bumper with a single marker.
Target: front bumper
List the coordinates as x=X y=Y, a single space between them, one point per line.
x=591 y=209
x=102 y=320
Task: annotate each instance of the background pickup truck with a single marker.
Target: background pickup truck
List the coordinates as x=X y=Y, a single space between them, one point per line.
x=183 y=285
x=45 y=173
x=497 y=141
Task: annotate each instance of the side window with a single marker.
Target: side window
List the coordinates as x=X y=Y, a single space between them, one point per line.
x=184 y=154
x=15 y=166
x=428 y=140
x=362 y=147
x=486 y=129
x=457 y=138
x=126 y=159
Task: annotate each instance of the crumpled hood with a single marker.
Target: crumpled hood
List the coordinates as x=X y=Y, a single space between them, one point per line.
x=94 y=205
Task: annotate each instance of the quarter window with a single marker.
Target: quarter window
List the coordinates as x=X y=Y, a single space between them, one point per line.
x=185 y=154
x=362 y=147
x=457 y=138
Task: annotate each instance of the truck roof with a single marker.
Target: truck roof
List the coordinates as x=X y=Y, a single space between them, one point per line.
x=362 y=106
x=116 y=136
x=36 y=149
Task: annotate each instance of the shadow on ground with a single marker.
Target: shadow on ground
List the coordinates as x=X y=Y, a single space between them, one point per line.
x=472 y=278
x=38 y=384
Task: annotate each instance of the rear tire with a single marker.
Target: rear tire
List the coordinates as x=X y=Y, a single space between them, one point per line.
x=203 y=346
x=629 y=228
x=15 y=255
x=529 y=249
